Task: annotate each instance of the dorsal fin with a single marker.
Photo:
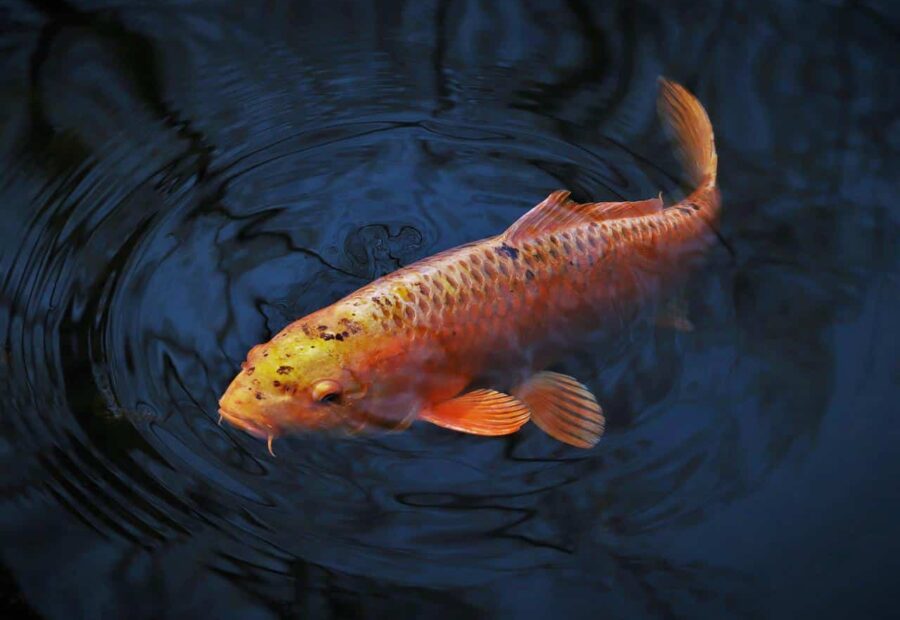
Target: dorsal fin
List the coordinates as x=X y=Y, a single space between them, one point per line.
x=617 y=210
x=557 y=212
x=553 y=213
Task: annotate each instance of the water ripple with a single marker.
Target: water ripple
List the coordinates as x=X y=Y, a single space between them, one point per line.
x=183 y=185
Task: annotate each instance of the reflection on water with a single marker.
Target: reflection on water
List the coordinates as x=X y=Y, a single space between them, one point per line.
x=178 y=185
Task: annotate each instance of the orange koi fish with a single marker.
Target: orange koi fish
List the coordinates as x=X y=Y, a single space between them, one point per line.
x=463 y=339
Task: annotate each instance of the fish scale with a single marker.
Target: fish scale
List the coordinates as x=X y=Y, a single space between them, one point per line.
x=482 y=285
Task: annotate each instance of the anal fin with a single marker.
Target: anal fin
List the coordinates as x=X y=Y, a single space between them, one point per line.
x=673 y=313
x=480 y=412
x=563 y=408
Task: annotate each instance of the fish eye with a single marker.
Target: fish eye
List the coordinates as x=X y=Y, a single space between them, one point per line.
x=328 y=392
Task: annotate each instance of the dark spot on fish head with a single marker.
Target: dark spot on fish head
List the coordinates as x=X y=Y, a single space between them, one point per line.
x=327 y=336
x=322 y=328
x=259 y=396
x=276 y=383
x=529 y=274
x=512 y=253
x=345 y=333
x=283 y=370
x=338 y=336
x=352 y=327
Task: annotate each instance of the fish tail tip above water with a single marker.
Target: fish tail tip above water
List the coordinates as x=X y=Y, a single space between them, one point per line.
x=691 y=130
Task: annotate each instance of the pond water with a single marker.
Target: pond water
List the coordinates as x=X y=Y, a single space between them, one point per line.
x=180 y=181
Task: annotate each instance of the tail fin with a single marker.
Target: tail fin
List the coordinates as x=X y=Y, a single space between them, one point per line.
x=691 y=130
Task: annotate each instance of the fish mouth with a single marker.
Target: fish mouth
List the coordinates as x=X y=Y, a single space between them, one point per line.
x=247 y=426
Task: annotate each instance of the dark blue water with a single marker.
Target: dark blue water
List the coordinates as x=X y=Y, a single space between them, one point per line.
x=178 y=182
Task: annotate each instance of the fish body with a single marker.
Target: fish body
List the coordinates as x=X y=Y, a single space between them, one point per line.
x=460 y=339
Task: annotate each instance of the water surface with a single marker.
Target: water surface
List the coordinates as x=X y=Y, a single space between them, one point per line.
x=179 y=182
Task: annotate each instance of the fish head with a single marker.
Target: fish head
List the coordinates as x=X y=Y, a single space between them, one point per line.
x=296 y=381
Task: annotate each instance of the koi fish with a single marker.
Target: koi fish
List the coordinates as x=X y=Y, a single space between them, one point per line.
x=462 y=339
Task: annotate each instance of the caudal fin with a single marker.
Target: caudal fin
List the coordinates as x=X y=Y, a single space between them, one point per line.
x=691 y=131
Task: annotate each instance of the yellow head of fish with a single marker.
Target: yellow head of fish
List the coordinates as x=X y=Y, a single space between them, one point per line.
x=328 y=370
x=301 y=379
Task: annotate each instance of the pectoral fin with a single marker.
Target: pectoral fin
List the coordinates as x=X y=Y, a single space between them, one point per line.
x=563 y=408
x=480 y=412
